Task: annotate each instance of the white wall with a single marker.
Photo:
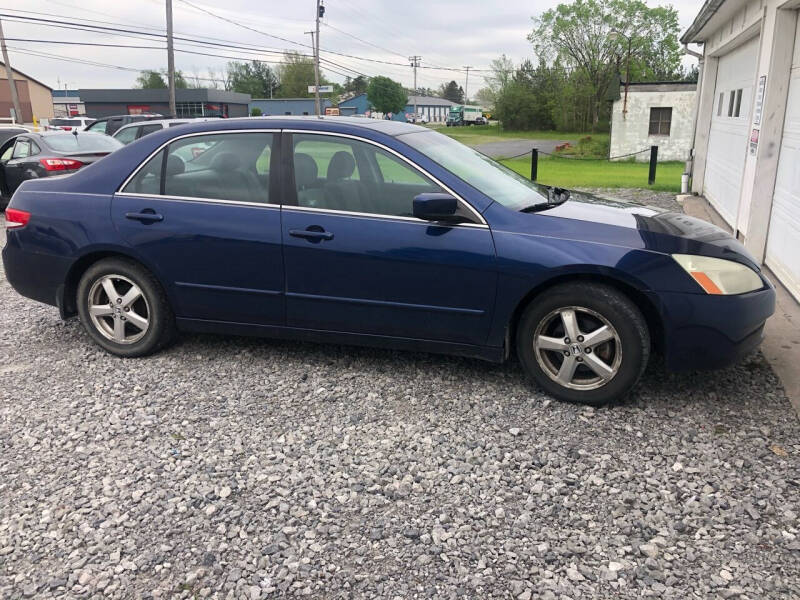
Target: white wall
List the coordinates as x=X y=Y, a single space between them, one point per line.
x=630 y=134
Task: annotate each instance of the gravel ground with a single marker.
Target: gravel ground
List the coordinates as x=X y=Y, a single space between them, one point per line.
x=240 y=468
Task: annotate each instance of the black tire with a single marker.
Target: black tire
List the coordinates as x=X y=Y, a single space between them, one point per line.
x=151 y=306
x=595 y=305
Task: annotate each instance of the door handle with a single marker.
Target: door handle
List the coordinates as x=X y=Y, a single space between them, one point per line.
x=311 y=234
x=144 y=217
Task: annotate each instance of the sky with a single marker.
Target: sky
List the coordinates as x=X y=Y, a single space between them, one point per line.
x=446 y=33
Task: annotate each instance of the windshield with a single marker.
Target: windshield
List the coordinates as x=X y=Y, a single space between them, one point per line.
x=478 y=170
x=63 y=122
x=83 y=142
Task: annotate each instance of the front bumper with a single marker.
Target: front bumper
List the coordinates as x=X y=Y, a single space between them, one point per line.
x=703 y=331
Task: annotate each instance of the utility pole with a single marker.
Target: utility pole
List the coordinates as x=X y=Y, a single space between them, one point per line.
x=415 y=63
x=170 y=63
x=315 y=43
x=466 y=84
x=316 y=74
x=10 y=75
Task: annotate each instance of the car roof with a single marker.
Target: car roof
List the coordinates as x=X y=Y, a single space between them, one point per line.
x=58 y=132
x=333 y=124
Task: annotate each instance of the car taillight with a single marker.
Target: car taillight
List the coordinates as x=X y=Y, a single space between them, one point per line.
x=16 y=218
x=60 y=164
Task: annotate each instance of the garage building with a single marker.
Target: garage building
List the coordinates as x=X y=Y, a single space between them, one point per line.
x=34 y=96
x=747 y=138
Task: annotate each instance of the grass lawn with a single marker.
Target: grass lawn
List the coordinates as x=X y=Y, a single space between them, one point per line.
x=601 y=174
x=472 y=136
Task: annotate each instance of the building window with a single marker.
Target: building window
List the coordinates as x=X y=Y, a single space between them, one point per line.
x=187 y=110
x=731 y=102
x=660 y=121
x=721 y=102
x=738 y=103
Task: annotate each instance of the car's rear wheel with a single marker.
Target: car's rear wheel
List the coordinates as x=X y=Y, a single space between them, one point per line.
x=583 y=342
x=124 y=309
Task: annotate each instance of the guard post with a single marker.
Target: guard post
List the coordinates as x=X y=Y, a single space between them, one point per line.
x=534 y=163
x=651 y=178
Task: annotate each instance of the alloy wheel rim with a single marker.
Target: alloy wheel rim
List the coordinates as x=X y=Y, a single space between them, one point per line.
x=118 y=309
x=578 y=348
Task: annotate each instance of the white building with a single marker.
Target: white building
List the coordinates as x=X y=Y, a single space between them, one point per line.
x=654 y=114
x=747 y=141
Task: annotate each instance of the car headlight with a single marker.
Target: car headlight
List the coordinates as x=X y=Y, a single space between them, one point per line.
x=718 y=276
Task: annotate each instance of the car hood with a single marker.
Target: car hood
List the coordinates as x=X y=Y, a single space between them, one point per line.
x=593 y=218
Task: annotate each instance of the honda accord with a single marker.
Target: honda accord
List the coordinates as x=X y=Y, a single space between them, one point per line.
x=379 y=233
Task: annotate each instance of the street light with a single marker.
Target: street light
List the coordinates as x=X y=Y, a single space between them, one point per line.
x=613 y=36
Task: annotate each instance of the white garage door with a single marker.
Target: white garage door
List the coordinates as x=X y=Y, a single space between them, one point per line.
x=783 y=240
x=730 y=120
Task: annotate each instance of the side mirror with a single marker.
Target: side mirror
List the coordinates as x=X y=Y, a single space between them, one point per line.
x=436 y=207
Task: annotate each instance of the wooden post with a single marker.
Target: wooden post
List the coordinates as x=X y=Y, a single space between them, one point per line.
x=651 y=178
x=534 y=164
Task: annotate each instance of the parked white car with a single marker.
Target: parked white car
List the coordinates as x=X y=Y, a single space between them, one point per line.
x=133 y=131
x=68 y=123
x=416 y=118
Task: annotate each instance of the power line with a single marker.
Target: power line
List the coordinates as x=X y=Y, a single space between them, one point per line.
x=363 y=41
x=127 y=32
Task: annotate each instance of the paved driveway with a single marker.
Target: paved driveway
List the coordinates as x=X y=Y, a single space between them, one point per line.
x=241 y=468
x=510 y=148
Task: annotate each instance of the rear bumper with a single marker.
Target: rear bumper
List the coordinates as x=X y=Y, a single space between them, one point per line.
x=34 y=275
x=710 y=332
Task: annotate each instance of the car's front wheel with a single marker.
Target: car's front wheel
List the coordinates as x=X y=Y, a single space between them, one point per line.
x=124 y=309
x=583 y=342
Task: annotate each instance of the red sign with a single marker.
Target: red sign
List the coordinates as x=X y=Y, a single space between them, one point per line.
x=137 y=109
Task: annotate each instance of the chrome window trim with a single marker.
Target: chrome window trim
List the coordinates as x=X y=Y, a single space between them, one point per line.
x=206 y=200
x=348 y=213
x=415 y=166
x=470 y=208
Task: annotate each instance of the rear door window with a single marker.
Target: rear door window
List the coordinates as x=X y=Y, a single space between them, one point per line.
x=98 y=126
x=22 y=149
x=229 y=167
x=145 y=129
x=127 y=134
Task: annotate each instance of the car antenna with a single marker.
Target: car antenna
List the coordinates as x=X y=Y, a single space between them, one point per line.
x=75 y=131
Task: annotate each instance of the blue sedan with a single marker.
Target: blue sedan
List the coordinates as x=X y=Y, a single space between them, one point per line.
x=379 y=233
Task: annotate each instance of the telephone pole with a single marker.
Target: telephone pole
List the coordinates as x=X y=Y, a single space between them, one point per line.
x=10 y=75
x=170 y=63
x=415 y=63
x=466 y=84
x=315 y=43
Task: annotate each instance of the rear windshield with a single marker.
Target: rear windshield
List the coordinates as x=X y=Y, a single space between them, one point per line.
x=83 y=142
x=63 y=122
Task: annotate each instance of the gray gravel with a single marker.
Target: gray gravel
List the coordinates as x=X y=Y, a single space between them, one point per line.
x=240 y=468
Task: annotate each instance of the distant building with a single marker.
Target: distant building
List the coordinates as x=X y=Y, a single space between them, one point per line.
x=656 y=114
x=288 y=106
x=34 y=96
x=67 y=103
x=434 y=109
x=188 y=102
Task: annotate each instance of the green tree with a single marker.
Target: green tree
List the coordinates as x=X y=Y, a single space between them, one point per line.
x=502 y=70
x=386 y=95
x=255 y=112
x=295 y=74
x=452 y=91
x=255 y=78
x=594 y=38
x=150 y=80
x=486 y=98
x=157 y=80
x=356 y=85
